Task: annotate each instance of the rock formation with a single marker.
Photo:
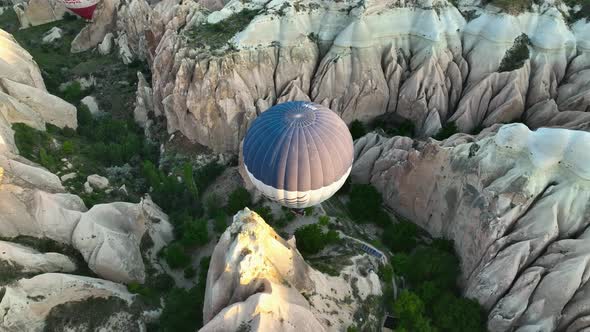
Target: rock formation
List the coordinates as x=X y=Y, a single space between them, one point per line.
x=34 y=204
x=256 y=281
x=516 y=204
x=425 y=61
x=61 y=302
x=37 y=12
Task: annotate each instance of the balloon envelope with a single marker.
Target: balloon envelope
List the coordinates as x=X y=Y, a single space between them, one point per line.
x=83 y=8
x=298 y=153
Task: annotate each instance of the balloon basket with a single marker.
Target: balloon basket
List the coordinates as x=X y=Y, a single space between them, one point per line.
x=298 y=212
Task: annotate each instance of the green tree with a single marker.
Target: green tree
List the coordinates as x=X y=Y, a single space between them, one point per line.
x=357 y=129
x=238 y=199
x=311 y=239
x=410 y=309
x=400 y=236
x=365 y=203
x=190 y=180
x=175 y=256
x=67 y=148
x=194 y=233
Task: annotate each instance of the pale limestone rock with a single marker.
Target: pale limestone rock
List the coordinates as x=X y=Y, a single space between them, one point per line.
x=143 y=102
x=27 y=304
x=52 y=35
x=88 y=188
x=28 y=260
x=124 y=51
x=106 y=45
x=68 y=176
x=257 y=278
x=97 y=182
x=17 y=64
x=37 y=12
x=61 y=113
x=515 y=203
x=422 y=62
x=92 y=105
x=102 y=23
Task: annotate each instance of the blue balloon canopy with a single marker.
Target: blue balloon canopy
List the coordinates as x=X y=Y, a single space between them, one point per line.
x=298 y=153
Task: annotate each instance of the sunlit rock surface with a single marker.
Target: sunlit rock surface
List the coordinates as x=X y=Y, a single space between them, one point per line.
x=257 y=280
x=516 y=204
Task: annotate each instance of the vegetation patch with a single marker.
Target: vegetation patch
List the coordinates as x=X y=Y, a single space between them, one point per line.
x=311 y=239
x=513 y=7
x=217 y=35
x=517 y=55
x=582 y=13
x=447 y=131
x=91 y=314
x=393 y=125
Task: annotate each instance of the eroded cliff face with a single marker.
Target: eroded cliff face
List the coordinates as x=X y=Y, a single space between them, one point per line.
x=516 y=204
x=34 y=204
x=259 y=281
x=426 y=61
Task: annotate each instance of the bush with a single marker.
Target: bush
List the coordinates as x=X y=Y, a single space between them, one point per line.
x=393 y=125
x=72 y=92
x=447 y=131
x=309 y=210
x=324 y=220
x=311 y=239
x=220 y=222
x=67 y=148
x=410 y=310
x=400 y=236
x=365 y=203
x=357 y=129
x=181 y=312
x=175 y=256
x=517 y=55
x=217 y=35
x=189 y=272
x=194 y=233
x=238 y=199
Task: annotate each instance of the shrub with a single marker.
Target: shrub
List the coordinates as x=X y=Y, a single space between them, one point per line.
x=189 y=272
x=400 y=236
x=357 y=129
x=181 y=312
x=220 y=222
x=311 y=239
x=72 y=92
x=175 y=256
x=212 y=205
x=265 y=213
x=67 y=148
x=324 y=220
x=238 y=199
x=309 y=210
x=447 y=131
x=393 y=125
x=194 y=233
x=517 y=55
x=365 y=203
x=217 y=35
x=410 y=310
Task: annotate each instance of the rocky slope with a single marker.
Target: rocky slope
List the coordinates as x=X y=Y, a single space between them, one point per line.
x=34 y=204
x=257 y=281
x=425 y=61
x=516 y=204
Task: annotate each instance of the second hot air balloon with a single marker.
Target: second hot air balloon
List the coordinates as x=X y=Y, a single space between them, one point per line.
x=82 y=8
x=298 y=153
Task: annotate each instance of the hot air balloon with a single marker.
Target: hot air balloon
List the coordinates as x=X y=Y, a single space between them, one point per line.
x=83 y=8
x=298 y=153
